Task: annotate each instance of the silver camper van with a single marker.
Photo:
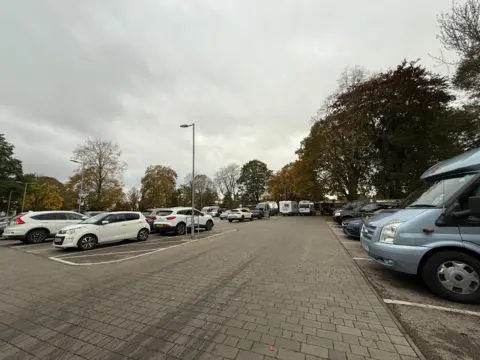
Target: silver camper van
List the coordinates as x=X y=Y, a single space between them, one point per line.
x=435 y=232
x=306 y=207
x=288 y=208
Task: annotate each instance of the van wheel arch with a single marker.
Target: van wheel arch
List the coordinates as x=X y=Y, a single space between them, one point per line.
x=428 y=270
x=430 y=253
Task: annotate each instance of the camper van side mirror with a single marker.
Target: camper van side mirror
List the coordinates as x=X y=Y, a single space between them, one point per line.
x=474 y=205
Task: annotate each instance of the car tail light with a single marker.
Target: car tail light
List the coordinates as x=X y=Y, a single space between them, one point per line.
x=19 y=220
x=171 y=217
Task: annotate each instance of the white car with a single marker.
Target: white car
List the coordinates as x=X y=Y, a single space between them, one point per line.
x=224 y=215
x=179 y=220
x=103 y=228
x=240 y=214
x=35 y=226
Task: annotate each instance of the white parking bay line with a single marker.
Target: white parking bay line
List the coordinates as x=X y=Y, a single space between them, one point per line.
x=137 y=256
x=434 y=307
x=361 y=258
x=103 y=254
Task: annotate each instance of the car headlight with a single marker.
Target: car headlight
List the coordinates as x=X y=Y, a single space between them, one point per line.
x=71 y=231
x=388 y=233
x=337 y=214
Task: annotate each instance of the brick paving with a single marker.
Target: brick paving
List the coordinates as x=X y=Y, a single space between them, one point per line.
x=279 y=289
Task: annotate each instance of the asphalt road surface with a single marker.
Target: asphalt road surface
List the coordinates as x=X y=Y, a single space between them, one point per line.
x=284 y=288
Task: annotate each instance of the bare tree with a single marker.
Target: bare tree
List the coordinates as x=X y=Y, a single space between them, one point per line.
x=227 y=180
x=133 y=198
x=103 y=169
x=203 y=185
x=460 y=33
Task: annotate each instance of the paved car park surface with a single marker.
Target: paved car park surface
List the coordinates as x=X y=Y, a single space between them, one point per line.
x=116 y=252
x=284 y=288
x=441 y=329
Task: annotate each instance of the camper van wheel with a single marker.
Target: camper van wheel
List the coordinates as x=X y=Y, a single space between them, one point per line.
x=453 y=275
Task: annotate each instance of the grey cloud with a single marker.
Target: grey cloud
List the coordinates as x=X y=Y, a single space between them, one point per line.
x=250 y=73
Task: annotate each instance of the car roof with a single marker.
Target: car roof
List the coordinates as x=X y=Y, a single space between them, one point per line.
x=50 y=211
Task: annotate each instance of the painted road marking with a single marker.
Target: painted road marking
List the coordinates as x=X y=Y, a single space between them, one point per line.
x=361 y=258
x=104 y=254
x=435 y=307
x=54 y=258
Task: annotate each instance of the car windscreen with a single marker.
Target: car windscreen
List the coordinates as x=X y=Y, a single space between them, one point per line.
x=164 y=212
x=304 y=206
x=95 y=219
x=234 y=211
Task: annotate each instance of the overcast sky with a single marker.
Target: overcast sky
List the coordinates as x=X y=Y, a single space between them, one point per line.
x=250 y=73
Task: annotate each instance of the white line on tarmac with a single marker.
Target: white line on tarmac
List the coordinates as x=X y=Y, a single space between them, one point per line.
x=103 y=254
x=427 y=306
x=350 y=243
x=148 y=242
x=136 y=256
x=361 y=258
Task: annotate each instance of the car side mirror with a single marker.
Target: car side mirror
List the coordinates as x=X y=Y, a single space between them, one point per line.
x=474 y=205
x=202 y=214
x=104 y=222
x=84 y=217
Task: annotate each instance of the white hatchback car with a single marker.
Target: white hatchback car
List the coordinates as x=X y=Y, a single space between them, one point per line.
x=35 y=226
x=240 y=214
x=224 y=215
x=103 y=228
x=179 y=220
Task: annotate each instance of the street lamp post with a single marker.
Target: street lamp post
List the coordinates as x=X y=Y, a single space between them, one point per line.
x=24 y=192
x=193 y=175
x=9 y=201
x=80 y=195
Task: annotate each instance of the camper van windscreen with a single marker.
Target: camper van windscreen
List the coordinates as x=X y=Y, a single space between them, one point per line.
x=435 y=195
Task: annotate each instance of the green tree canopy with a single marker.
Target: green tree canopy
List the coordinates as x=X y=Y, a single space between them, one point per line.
x=253 y=180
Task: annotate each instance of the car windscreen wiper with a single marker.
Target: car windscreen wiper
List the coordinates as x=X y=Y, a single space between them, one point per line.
x=421 y=206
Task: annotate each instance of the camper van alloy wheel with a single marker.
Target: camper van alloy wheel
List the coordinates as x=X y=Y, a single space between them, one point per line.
x=453 y=275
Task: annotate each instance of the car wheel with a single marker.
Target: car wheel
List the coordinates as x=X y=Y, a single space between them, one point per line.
x=243 y=218
x=143 y=235
x=230 y=220
x=36 y=236
x=453 y=275
x=87 y=242
x=209 y=225
x=251 y=218
x=180 y=229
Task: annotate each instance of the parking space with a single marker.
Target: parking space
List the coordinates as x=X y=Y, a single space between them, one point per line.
x=117 y=252
x=444 y=329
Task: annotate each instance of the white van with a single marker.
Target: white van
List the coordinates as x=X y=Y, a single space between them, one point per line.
x=306 y=207
x=288 y=208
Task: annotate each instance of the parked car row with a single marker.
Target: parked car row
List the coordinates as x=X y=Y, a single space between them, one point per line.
x=71 y=229
x=434 y=232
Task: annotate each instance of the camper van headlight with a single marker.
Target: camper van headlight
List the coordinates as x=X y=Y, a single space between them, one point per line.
x=388 y=233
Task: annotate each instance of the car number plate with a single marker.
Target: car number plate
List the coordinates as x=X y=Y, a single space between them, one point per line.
x=365 y=246
x=159 y=225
